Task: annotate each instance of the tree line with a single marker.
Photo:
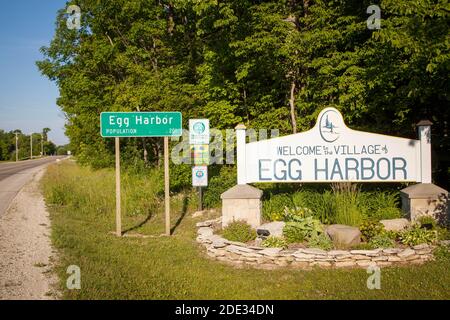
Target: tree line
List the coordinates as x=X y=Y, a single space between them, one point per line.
x=41 y=144
x=268 y=64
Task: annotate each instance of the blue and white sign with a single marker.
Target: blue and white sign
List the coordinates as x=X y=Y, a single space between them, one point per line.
x=199 y=131
x=199 y=176
x=332 y=152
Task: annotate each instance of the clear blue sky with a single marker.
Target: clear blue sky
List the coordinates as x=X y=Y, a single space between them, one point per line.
x=27 y=99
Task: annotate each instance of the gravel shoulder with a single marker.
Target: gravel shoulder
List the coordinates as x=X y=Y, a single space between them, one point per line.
x=26 y=255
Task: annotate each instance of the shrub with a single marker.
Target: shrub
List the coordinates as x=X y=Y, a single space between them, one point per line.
x=302 y=229
x=321 y=241
x=321 y=202
x=379 y=205
x=293 y=232
x=370 y=229
x=294 y=214
x=381 y=240
x=273 y=208
x=239 y=231
x=427 y=222
x=274 y=242
x=443 y=233
x=417 y=235
x=345 y=207
x=217 y=185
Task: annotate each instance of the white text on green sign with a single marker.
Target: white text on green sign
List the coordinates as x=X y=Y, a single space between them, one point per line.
x=140 y=124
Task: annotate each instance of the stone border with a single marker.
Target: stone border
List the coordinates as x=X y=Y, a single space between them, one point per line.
x=241 y=254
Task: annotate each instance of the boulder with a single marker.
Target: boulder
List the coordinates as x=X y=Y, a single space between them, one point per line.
x=273 y=229
x=395 y=224
x=344 y=236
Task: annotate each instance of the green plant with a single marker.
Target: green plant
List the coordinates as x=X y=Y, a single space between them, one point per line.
x=302 y=228
x=321 y=241
x=443 y=233
x=346 y=210
x=293 y=214
x=293 y=232
x=239 y=231
x=274 y=242
x=417 y=235
x=370 y=229
x=217 y=185
x=273 y=208
x=380 y=204
x=381 y=240
x=427 y=222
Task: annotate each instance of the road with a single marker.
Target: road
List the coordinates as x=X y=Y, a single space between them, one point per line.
x=13 y=177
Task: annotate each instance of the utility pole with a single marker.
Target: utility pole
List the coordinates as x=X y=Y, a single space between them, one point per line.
x=17 y=149
x=31 y=146
x=42 y=144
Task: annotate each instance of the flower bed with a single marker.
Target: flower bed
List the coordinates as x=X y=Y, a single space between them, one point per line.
x=237 y=253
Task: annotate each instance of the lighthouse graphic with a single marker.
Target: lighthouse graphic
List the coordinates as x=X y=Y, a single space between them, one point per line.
x=327 y=125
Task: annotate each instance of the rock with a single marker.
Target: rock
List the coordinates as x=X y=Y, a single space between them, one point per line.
x=274 y=228
x=197 y=214
x=342 y=235
x=335 y=253
x=345 y=264
x=203 y=224
x=395 y=224
x=205 y=231
x=315 y=251
x=406 y=253
x=370 y=253
x=236 y=249
x=421 y=246
x=271 y=252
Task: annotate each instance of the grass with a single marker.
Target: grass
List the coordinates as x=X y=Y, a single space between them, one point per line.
x=81 y=204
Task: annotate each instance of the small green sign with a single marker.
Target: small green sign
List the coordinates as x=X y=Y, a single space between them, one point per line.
x=140 y=124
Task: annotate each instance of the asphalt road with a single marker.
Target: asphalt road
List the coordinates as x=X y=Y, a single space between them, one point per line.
x=13 y=177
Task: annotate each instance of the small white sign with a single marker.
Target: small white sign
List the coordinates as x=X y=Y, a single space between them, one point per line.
x=200 y=176
x=199 y=131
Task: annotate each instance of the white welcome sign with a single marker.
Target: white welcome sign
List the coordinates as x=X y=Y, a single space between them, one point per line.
x=332 y=152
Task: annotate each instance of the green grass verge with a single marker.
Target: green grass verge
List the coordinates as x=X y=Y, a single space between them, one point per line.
x=81 y=204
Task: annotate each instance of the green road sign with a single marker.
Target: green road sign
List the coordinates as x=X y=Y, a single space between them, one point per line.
x=140 y=124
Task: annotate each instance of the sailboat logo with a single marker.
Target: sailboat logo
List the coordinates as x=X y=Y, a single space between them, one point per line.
x=328 y=129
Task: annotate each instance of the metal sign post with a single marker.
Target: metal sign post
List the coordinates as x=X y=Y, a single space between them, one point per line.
x=166 y=185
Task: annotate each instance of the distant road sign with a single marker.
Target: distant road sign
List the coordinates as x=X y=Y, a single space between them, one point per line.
x=200 y=176
x=199 y=131
x=140 y=124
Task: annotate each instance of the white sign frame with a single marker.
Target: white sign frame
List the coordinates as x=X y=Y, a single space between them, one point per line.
x=332 y=152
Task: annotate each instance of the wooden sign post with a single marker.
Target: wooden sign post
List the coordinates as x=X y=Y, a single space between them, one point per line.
x=141 y=124
x=166 y=185
x=118 y=202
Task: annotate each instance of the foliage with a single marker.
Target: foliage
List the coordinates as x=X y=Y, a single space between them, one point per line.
x=142 y=268
x=295 y=214
x=443 y=233
x=274 y=242
x=417 y=235
x=239 y=231
x=217 y=185
x=427 y=222
x=238 y=61
x=345 y=204
x=381 y=240
x=8 y=145
x=380 y=204
x=273 y=208
x=321 y=241
x=293 y=232
x=370 y=229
